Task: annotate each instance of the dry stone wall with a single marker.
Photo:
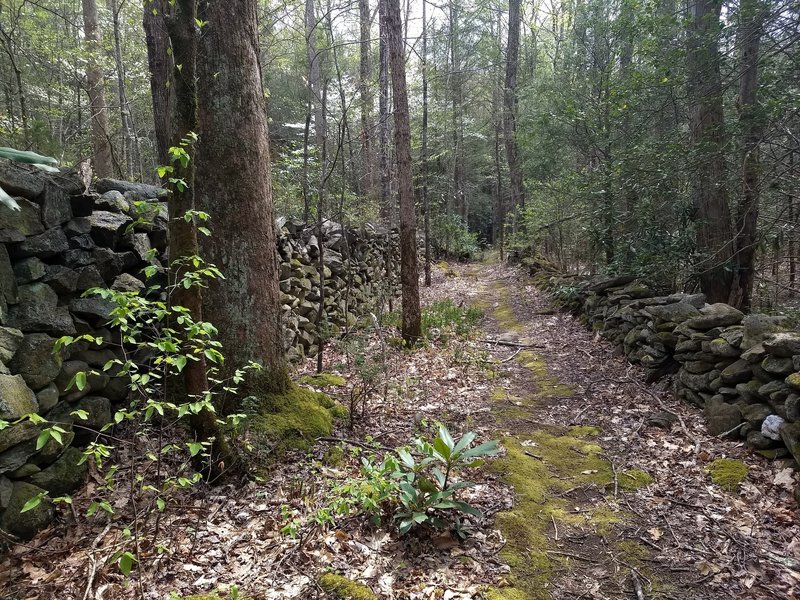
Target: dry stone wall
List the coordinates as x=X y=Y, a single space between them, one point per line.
x=743 y=371
x=66 y=239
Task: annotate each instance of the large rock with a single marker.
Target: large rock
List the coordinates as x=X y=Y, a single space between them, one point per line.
x=8 y=279
x=45 y=245
x=783 y=344
x=674 y=313
x=97 y=408
x=38 y=311
x=26 y=524
x=17 y=434
x=62 y=279
x=790 y=434
x=93 y=307
x=141 y=190
x=721 y=417
x=16 y=225
x=35 y=360
x=759 y=327
x=19 y=179
x=716 y=315
x=16 y=398
x=29 y=270
x=108 y=227
x=56 y=206
x=738 y=372
x=65 y=475
x=10 y=340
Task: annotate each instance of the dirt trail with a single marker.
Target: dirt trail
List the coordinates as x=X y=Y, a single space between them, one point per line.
x=608 y=505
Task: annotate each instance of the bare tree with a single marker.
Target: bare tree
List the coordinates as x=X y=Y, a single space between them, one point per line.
x=159 y=63
x=103 y=164
x=510 y=103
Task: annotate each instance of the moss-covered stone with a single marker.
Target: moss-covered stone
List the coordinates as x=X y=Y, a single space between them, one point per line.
x=343 y=588
x=292 y=419
x=334 y=457
x=26 y=524
x=728 y=473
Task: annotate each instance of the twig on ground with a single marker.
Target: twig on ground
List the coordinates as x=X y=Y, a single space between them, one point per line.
x=637 y=585
x=512 y=344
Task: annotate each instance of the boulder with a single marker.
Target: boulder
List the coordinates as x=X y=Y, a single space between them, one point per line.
x=17 y=456
x=759 y=327
x=38 y=311
x=675 y=313
x=35 y=360
x=107 y=227
x=55 y=205
x=93 y=308
x=716 y=315
x=790 y=434
x=756 y=413
x=125 y=282
x=62 y=279
x=738 y=372
x=16 y=398
x=45 y=245
x=20 y=179
x=98 y=411
x=47 y=397
x=16 y=225
x=17 y=434
x=10 y=340
x=29 y=270
x=26 y=524
x=771 y=427
x=8 y=279
x=113 y=201
x=65 y=475
x=140 y=190
x=777 y=365
x=792 y=407
x=783 y=344
x=721 y=417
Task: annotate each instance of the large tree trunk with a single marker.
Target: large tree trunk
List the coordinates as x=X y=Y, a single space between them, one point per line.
x=159 y=63
x=102 y=160
x=233 y=185
x=707 y=133
x=510 y=105
x=457 y=116
x=409 y=278
x=387 y=206
x=315 y=81
x=364 y=71
x=751 y=15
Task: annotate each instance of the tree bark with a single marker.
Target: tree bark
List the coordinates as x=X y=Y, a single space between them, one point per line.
x=426 y=209
x=409 y=277
x=751 y=14
x=233 y=184
x=510 y=103
x=364 y=71
x=387 y=207
x=160 y=66
x=314 y=81
x=103 y=163
x=707 y=135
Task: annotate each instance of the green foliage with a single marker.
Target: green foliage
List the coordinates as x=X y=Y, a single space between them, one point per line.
x=728 y=473
x=452 y=238
x=344 y=588
x=443 y=318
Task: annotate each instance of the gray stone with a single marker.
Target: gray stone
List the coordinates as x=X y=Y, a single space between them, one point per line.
x=755 y=354
x=771 y=427
x=38 y=311
x=29 y=270
x=56 y=206
x=675 y=313
x=62 y=279
x=10 y=340
x=757 y=440
x=739 y=372
x=47 y=397
x=17 y=434
x=138 y=243
x=758 y=327
x=6 y=487
x=16 y=398
x=69 y=369
x=36 y=361
x=756 y=413
x=790 y=434
x=16 y=456
x=47 y=244
x=65 y=475
x=16 y=225
x=777 y=365
x=783 y=344
x=8 y=279
x=20 y=179
x=89 y=277
x=93 y=308
x=750 y=391
x=25 y=525
x=125 y=282
x=113 y=201
x=108 y=227
x=716 y=315
x=141 y=190
x=719 y=347
x=721 y=417
x=98 y=409
x=792 y=407
x=110 y=263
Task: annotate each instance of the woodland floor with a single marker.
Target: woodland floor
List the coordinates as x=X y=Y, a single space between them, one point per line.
x=588 y=500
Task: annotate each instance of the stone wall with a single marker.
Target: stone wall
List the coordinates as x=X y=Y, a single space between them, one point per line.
x=743 y=371
x=67 y=239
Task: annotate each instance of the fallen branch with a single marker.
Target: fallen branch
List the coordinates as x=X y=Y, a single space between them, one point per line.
x=510 y=358
x=730 y=431
x=512 y=344
x=578 y=556
x=637 y=585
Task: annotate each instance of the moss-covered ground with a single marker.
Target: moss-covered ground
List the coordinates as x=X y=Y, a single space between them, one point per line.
x=544 y=465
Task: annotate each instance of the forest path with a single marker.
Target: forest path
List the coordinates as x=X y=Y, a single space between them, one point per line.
x=611 y=500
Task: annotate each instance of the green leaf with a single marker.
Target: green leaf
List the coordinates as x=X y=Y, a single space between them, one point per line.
x=126 y=563
x=33 y=502
x=485 y=449
x=43 y=438
x=465 y=441
x=445 y=436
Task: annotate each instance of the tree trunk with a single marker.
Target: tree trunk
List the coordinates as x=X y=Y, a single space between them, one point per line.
x=364 y=71
x=314 y=80
x=457 y=99
x=159 y=63
x=751 y=15
x=129 y=146
x=707 y=134
x=387 y=207
x=409 y=278
x=510 y=105
x=103 y=164
x=426 y=209
x=233 y=185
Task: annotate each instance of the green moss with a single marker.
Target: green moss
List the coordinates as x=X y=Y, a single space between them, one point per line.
x=334 y=457
x=583 y=431
x=634 y=479
x=344 y=588
x=728 y=473
x=633 y=551
x=323 y=380
x=293 y=419
x=547 y=386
